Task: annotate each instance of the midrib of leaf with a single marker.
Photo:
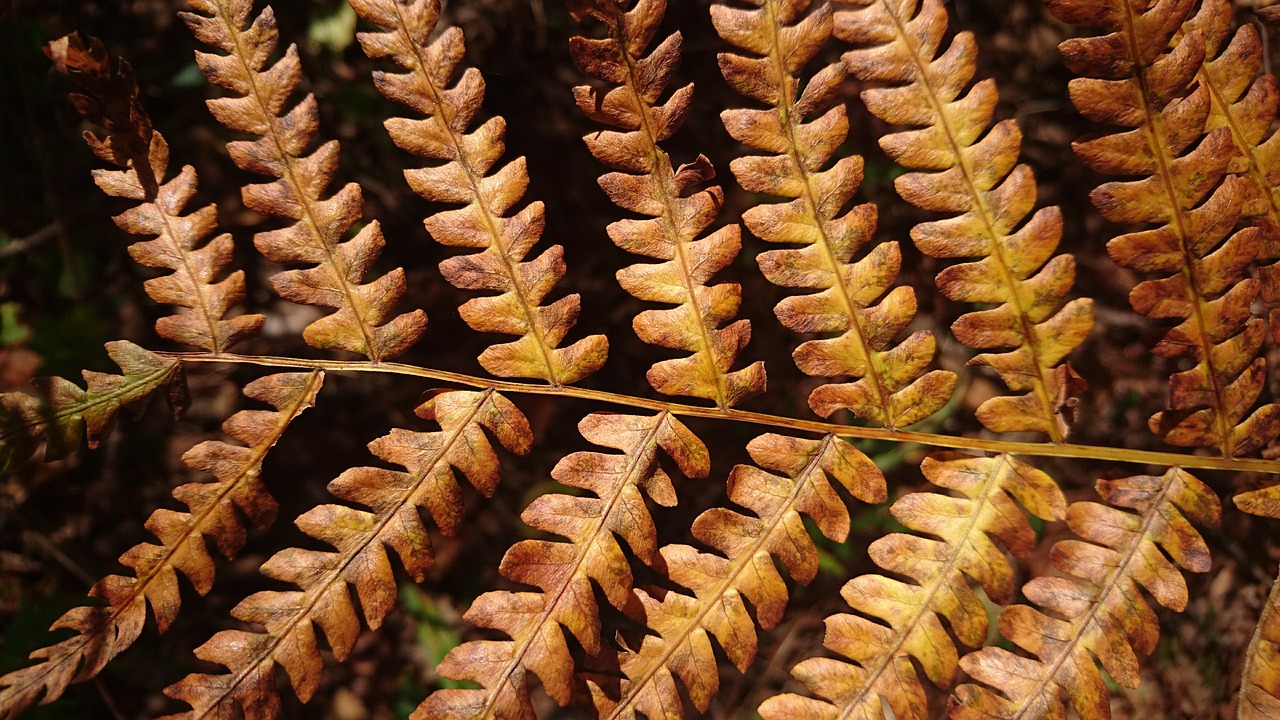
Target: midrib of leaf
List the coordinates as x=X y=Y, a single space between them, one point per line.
x=118 y=397
x=641 y=460
x=828 y=255
x=290 y=176
x=983 y=211
x=489 y=216
x=194 y=533
x=1156 y=135
x=1063 y=450
x=738 y=564
x=661 y=163
x=990 y=484
x=1085 y=622
x=317 y=591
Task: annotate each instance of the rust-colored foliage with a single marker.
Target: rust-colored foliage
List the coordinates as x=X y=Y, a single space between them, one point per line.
x=361 y=539
x=1260 y=682
x=108 y=98
x=218 y=510
x=879 y=653
x=969 y=166
x=801 y=131
x=61 y=412
x=677 y=212
x=565 y=571
x=462 y=175
x=1097 y=609
x=362 y=321
x=749 y=546
x=1130 y=77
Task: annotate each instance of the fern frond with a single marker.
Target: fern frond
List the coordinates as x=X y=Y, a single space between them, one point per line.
x=361 y=539
x=892 y=388
x=362 y=321
x=108 y=98
x=218 y=510
x=1259 y=697
x=969 y=166
x=1097 y=609
x=677 y=213
x=796 y=480
x=564 y=571
x=62 y=412
x=878 y=655
x=1129 y=79
x=463 y=176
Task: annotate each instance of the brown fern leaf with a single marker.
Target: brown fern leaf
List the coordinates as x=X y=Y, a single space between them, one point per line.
x=217 y=509
x=1259 y=697
x=61 y=412
x=682 y=625
x=360 y=323
x=361 y=538
x=564 y=571
x=970 y=168
x=1182 y=191
x=677 y=213
x=892 y=388
x=878 y=654
x=463 y=176
x=109 y=99
x=1244 y=100
x=1097 y=609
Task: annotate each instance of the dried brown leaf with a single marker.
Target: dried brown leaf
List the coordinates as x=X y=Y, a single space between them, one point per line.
x=801 y=132
x=1140 y=75
x=108 y=98
x=564 y=571
x=218 y=510
x=795 y=481
x=362 y=322
x=1096 y=609
x=464 y=175
x=968 y=166
x=878 y=655
x=676 y=212
x=361 y=538
x=1259 y=696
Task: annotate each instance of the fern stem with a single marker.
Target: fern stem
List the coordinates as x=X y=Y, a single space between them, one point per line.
x=1063 y=450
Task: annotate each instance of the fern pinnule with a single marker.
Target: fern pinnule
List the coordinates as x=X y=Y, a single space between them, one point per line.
x=1096 y=610
x=795 y=481
x=892 y=386
x=677 y=213
x=61 y=412
x=217 y=510
x=878 y=654
x=362 y=321
x=1259 y=696
x=1185 y=190
x=464 y=177
x=966 y=165
x=108 y=98
x=564 y=571
x=361 y=539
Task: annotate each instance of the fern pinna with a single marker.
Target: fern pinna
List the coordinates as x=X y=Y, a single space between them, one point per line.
x=620 y=598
